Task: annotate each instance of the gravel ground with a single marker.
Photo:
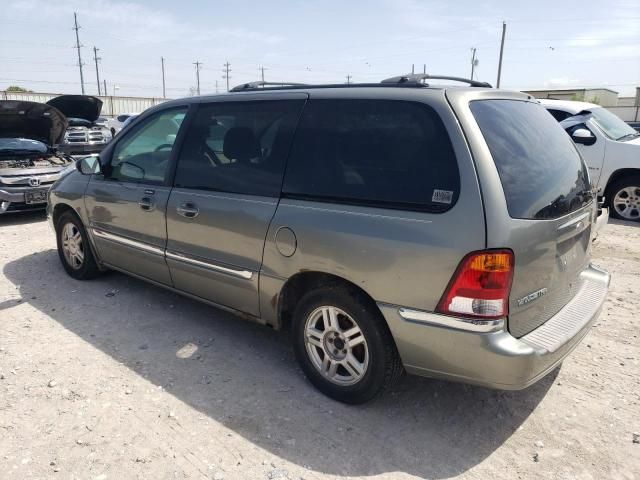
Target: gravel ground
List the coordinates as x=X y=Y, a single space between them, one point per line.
x=118 y=379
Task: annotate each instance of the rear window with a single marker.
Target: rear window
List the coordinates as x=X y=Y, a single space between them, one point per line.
x=542 y=174
x=392 y=154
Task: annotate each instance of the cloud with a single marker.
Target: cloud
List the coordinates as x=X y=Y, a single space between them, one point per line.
x=139 y=24
x=561 y=82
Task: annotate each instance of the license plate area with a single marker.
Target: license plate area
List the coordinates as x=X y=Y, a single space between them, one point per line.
x=36 y=196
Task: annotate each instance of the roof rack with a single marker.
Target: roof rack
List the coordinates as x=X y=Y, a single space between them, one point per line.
x=418 y=78
x=259 y=84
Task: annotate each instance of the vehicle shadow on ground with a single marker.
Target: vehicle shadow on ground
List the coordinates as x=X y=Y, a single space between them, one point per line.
x=625 y=223
x=244 y=376
x=23 y=218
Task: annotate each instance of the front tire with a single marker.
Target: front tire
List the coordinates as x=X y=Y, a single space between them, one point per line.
x=74 y=249
x=344 y=346
x=624 y=199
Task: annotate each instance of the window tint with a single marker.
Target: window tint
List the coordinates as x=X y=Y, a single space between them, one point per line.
x=143 y=154
x=541 y=171
x=393 y=154
x=238 y=147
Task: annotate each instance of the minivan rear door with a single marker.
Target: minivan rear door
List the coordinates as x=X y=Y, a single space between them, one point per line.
x=538 y=200
x=226 y=189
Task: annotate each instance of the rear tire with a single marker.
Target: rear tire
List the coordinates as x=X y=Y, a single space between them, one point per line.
x=344 y=346
x=74 y=249
x=624 y=198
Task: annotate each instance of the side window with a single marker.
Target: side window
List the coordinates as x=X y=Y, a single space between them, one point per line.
x=393 y=154
x=238 y=147
x=143 y=155
x=122 y=118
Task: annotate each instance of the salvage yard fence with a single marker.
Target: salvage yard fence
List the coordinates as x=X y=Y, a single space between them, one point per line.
x=111 y=105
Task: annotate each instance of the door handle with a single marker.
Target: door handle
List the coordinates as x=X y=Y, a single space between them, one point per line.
x=188 y=209
x=146 y=204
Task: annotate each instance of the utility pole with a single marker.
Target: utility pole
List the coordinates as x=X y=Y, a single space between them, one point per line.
x=262 y=69
x=216 y=86
x=504 y=31
x=197 y=64
x=76 y=28
x=96 y=58
x=348 y=79
x=473 y=61
x=226 y=73
x=164 y=93
x=424 y=68
x=105 y=87
x=413 y=68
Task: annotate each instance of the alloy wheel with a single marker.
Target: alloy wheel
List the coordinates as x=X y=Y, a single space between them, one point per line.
x=627 y=203
x=336 y=345
x=72 y=245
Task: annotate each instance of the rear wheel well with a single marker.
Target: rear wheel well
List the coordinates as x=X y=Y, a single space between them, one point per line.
x=618 y=175
x=301 y=283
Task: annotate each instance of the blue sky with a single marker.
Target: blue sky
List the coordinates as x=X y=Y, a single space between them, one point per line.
x=548 y=43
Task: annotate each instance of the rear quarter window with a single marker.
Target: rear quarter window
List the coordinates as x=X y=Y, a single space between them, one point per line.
x=542 y=173
x=391 y=154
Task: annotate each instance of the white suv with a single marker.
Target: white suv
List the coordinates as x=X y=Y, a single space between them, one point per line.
x=611 y=150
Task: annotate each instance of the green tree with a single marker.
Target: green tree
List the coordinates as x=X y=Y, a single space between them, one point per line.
x=17 y=88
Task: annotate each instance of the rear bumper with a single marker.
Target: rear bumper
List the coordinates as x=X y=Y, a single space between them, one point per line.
x=432 y=347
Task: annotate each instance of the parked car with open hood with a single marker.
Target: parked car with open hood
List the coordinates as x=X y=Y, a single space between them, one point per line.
x=390 y=226
x=611 y=149
x=84 y=134
x=29 y=161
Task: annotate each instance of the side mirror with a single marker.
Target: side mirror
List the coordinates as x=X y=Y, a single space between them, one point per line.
x=583 y=136
x=88 y=165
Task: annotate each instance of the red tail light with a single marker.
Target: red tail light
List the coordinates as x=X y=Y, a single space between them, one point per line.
x=480 y=287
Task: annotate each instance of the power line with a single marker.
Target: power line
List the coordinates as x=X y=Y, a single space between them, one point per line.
x=95 y=59
x=226 y=73
x=197 y=64
x=76 y=28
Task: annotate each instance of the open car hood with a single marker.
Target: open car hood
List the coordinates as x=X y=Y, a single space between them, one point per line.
x=32 y=120
x=78 y=106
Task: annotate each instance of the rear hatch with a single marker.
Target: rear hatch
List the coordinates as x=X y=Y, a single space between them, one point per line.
x=540 y=205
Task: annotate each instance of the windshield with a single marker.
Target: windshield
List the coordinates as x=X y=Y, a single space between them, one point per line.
x=22 y=144
x=612 y=126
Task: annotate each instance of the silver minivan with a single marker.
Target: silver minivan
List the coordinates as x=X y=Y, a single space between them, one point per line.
x=443 y=231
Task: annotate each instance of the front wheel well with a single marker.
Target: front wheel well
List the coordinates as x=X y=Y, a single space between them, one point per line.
x=58 y=210
x=301 y=283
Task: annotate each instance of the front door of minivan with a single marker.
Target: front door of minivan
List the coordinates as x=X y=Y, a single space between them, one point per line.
x=226 y=190
x=126 y=204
